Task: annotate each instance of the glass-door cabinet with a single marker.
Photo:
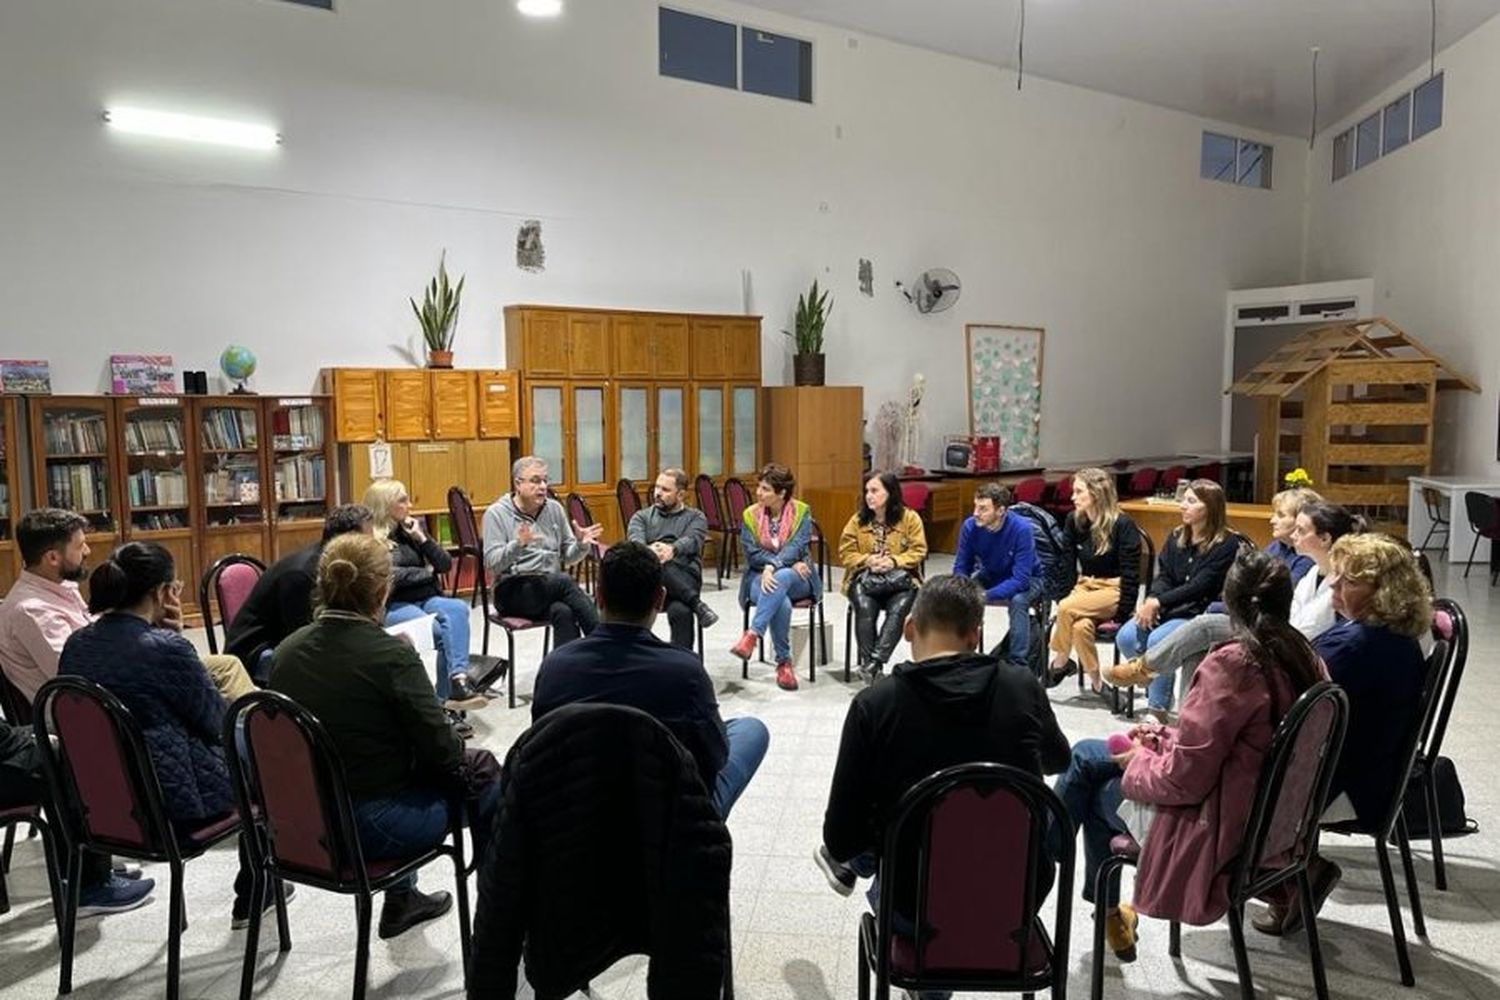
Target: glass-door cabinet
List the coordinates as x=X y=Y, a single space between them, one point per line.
x=743 y=424
x=301 y=459
x=72 y=461
x=10 y=500
x=650 y=432
x=231 y=476
x=708 y=430
x=156 y=502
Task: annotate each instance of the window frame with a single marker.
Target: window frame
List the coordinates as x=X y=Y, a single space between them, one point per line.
x=660 y=72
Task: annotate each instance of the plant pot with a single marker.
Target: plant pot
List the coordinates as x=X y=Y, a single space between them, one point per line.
x=807 y=369
x=439 y=359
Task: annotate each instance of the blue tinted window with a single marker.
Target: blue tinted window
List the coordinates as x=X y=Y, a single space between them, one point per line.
x=776 y=65
x=325 y=4
x=697 y=48
x=1397 y=124
x=1255 y=164
x=1343 y=154
x=1427 y=107
x=1217 y=161
x=1367 y=141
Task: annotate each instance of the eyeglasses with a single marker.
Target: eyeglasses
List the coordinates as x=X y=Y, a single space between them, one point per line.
x=538 y=480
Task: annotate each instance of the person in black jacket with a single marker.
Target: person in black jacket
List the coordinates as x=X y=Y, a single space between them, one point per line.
x=1107 y=545
x=948 y=706
x=281 y=601
x=1190 y=575
x=418 y=564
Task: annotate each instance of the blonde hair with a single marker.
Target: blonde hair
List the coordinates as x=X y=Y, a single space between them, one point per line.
x=1101 y=489
x=380 y=497
x=354 y=574
x=1402 y=599
x=1293 y=500
x=1215 y=523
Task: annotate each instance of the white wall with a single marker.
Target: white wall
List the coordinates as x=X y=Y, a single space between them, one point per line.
x=1425 y=224
x=413 y=127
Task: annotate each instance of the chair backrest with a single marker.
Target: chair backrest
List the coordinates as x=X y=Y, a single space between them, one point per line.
x=736 y=500
x=1031 y=490
x=916 y=496
x=229 y=581
x=1292 y=789
x=1450 y=624
x=1483 y=511
x=461 y=516
x=1143 y=481
x=1433 y=500
x=1411 y=741
x=1212 y=471
x=578 y=510
x=286 y=769
x=1172 y=477
x=628 y=498
x=99 y=772
x=13 y=703
x=969 y=846
x=820 y=541
x=1147 y=561
x=707 y=496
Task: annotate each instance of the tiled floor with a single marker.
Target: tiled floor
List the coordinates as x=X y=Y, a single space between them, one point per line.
x=794 y=938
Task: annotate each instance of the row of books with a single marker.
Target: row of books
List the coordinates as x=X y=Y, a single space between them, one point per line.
x=147 y=434
x=158 y=521
x=229 y=427
x=236 y=480
x=76 y=434
x=297 y=427
x=301 y=478
x=4 y=498
x=78 y=486
x=153 y=488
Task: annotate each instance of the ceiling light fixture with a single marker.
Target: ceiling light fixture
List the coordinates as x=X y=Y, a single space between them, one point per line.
x=539 y=8
x=191 y=128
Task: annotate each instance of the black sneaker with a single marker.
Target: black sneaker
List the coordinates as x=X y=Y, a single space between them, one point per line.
x=460 y=724
x=460 y=688
x=840 y=876
x=404 y=910
x=871 y=672
x=1056 y=677
x=239 y=917
x=707 y=617
x=114 y=895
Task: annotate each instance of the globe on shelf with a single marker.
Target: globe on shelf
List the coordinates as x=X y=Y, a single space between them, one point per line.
x=237 y=363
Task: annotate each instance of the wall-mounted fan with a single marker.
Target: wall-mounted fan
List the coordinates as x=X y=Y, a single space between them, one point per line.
x=933 y=290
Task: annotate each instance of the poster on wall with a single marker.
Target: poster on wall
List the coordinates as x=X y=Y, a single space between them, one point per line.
x=1005 y=388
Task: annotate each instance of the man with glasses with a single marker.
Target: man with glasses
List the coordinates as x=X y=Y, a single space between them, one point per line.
x=528 y=539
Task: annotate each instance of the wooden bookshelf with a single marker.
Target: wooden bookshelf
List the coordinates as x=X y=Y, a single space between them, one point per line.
x=10 y=493
x=75 y=461
x=157 y=462
x=230 y=487
x=301 y=470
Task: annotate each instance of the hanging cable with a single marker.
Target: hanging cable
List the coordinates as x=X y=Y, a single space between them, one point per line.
x=1021 y=47
x=1432 y=43
x=1312 y=130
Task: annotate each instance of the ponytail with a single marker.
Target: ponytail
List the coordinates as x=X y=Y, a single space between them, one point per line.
x=130 y=573
x=1258 y=592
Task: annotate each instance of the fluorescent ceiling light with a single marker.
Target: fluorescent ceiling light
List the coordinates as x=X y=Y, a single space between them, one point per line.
x=191 y=128
x=539 y=8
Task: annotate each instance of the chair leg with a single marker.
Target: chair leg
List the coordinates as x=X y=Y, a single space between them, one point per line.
x=461 y=892
x=252 y=933
x=510 y=674
x=1241 y=955
x=10 y=842
x=1469 y=564
x=363 y=904
x=812 y=644
x=1419 y=925
x=174 y=932
x=283 y=926
x=1435 y=831
x=1314 y=947
x=848 y=636
x=864 y=969
x=1393 y=907
x=1174 y=938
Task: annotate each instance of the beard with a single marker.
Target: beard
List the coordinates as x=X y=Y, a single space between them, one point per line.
x=73 y=574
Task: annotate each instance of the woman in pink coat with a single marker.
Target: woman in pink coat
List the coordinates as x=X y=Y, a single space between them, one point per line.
x=1200 y=774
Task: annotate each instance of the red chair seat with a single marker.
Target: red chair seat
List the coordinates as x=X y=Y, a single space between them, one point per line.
x=1106 y=629
x=1125 y=845
x=214 y=829
x=904 y=956
x=517 y=624
x=19 y=814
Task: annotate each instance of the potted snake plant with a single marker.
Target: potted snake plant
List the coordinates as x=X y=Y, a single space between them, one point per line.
x=438 y=315
x=813 y=308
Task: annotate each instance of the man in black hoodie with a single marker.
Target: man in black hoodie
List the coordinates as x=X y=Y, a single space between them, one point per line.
x=949 y=705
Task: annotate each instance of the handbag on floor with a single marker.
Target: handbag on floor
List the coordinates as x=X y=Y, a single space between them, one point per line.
x=1450 y=799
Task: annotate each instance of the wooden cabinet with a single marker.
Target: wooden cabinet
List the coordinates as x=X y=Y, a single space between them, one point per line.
x=499 y=406
x=710 y=349
x=538 y=342
x=10 y=493
x=75 y=461
x=232 y=490
x=358 y=403
x=454 y=402
x=651 y=347
x=588 y=345
x=301 y=460
x=818 y=432
x=408 y=404
x=742 y=350
x=650 y=433
x=155 y=449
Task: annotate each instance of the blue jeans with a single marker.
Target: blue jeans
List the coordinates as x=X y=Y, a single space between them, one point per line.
x=773 y=611
x=450 y=631
x=1090 y=789
x=748 y=739
x=1132 y=642
x=416 y=820
x=1019 y=636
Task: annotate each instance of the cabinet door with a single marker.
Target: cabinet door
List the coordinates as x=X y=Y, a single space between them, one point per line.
x=487 y=471
x=744 y=427
x=499 y=404
x=453 y=405
x=671 y=427
x=544 y=343
x=744 y=350
x=632 y=336
x=357 y=412
x=547 y=403
x=588 y=340
x=435 y=466
x=407 y=406
x=633 y=430
x=709 y=351
x=589 y=408
x=669 y=348
x=708 y=428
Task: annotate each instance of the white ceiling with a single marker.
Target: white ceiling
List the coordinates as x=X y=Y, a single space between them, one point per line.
x=1245 y=62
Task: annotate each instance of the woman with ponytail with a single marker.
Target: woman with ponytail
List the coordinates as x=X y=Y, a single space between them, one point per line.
x=402 y=760
x=1198 y=777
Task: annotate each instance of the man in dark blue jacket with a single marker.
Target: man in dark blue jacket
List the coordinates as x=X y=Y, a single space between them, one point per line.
x=622 y=663
x=997 y=549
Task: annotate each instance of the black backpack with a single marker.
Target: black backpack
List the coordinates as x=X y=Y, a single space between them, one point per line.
x=1450 y=799
x=1056 y=558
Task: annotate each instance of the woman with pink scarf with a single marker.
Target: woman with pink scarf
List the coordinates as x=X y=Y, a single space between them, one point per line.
x=776 y=536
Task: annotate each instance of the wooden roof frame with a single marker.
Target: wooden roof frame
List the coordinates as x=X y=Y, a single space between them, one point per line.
x=1302 y=357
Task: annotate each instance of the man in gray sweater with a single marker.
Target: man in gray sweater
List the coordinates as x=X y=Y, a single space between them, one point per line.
x=527 y=542
x=676 y=533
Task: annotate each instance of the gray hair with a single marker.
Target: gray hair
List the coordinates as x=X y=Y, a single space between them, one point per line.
x=523 y=463
x=678 y=476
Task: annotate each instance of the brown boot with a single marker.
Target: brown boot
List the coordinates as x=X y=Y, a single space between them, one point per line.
x=1131 y=672
x=1119 y=931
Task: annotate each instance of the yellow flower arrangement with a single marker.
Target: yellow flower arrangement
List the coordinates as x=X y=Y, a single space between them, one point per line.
x=1298 y=478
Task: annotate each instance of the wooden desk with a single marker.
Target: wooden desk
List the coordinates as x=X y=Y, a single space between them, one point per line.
x=1253 y=520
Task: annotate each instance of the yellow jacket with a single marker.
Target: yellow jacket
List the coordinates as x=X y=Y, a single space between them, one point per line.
x=905 y=542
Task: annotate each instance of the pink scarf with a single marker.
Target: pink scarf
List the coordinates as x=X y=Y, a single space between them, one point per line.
x=783 y=526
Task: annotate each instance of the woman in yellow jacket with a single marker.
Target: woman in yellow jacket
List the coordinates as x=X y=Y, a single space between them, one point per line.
x=882 y=549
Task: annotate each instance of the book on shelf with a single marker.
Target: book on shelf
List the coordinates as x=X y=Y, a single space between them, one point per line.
x=75 y=433
x=296 y=427
x=300 y=477
x=78 y=486
x=157 y=488
x=148 y=434
x=229 y=427
x=235 y=479
x=141 y=375
x=158 y=521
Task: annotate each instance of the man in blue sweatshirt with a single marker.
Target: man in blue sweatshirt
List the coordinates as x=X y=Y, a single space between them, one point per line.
x=997 y=549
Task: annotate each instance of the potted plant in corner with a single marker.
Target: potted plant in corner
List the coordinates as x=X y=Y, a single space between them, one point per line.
x=812 y=314
x=438 y=315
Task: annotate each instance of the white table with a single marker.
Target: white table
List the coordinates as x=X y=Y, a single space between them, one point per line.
x=1459 y=535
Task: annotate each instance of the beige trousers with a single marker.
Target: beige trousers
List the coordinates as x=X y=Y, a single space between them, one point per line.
x=228 y=675
x=1094 y=599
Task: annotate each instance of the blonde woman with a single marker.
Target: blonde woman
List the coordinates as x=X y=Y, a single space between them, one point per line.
x=417 y=566
x=1284 y=509
x=1108 y=548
